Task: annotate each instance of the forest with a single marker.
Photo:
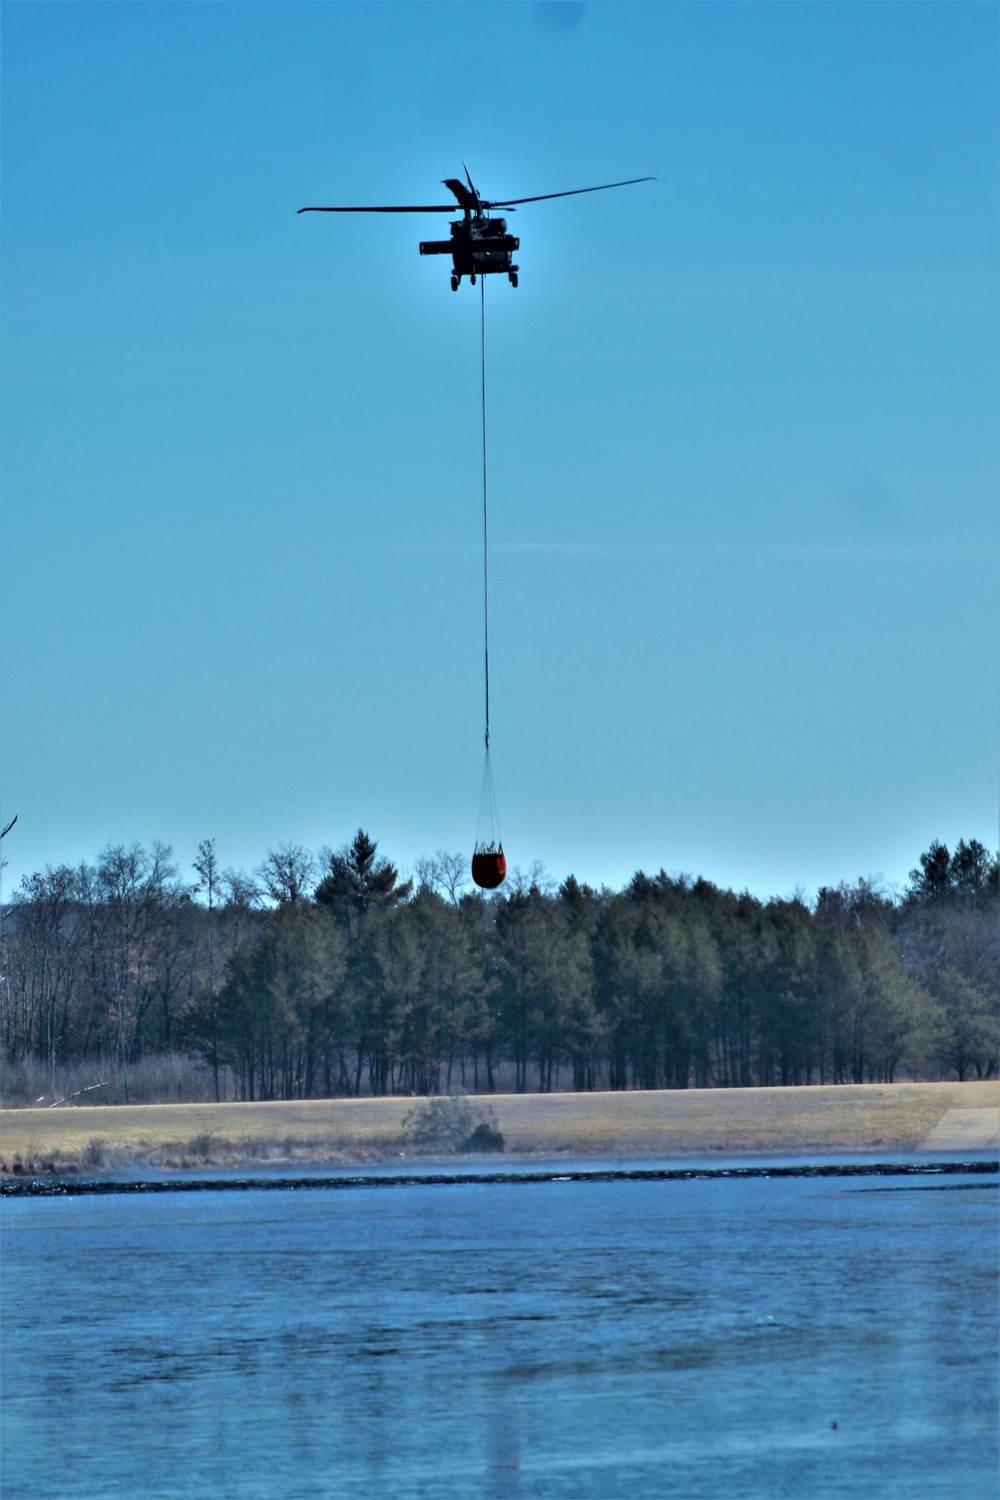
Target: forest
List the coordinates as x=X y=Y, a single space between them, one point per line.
x=332 y=975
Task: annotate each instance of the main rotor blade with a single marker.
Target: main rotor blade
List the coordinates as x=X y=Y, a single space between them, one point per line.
x=467 y=201
x=420 y=208
x=573 y=192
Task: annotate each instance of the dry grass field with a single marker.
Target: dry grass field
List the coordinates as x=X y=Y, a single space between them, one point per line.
x=695 y=1122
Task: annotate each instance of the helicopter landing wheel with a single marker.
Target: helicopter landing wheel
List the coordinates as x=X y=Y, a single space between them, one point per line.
x=454 y=283
x=513 y=277
x=472 y=278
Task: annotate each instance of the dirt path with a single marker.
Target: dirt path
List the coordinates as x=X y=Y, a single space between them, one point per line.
x=674 y=1123
x=965 y=1130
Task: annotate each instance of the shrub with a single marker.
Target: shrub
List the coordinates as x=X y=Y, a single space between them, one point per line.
x=446 y=1123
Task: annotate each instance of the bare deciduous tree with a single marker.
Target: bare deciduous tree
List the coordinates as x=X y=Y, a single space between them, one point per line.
x=287 y=874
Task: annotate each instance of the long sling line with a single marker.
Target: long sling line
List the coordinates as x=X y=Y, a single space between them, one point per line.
x=486 y=566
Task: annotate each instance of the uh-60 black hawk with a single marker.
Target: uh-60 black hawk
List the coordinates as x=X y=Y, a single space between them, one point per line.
x=479 y=245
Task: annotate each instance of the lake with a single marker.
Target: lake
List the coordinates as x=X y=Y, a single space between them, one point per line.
x=643 y=1338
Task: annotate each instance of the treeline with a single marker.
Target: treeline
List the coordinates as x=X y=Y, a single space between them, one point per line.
x=336 y=977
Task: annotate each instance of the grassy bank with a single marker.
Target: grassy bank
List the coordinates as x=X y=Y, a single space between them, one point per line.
x=866 y=1117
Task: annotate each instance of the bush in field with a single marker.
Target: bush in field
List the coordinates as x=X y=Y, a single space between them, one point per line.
x=95 y=1153
x=445 y=1124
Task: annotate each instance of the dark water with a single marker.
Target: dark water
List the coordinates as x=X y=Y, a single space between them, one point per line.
x=673 y=1338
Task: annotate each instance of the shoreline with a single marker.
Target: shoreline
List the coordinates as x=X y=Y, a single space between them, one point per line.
x=920 y=1165
x=635 y=1125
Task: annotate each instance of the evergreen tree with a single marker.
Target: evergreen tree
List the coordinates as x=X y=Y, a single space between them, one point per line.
x=357 y=882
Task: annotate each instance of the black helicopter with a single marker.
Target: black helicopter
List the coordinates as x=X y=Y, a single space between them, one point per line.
x=479 y=245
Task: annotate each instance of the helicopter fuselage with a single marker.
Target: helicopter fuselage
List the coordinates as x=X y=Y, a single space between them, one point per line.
x=479 y=246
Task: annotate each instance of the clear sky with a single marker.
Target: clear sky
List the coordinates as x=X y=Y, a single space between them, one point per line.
x=743 y=434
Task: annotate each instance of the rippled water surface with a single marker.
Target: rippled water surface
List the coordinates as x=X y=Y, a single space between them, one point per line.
x=575 y=1339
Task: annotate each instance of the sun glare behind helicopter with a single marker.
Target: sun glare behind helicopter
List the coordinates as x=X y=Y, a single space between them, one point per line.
x=479 y=245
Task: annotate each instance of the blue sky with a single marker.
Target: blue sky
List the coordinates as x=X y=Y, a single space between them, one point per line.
x=743 y=435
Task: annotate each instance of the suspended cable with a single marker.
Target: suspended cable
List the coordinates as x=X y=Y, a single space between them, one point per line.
x=486 y=554
x=489 y=865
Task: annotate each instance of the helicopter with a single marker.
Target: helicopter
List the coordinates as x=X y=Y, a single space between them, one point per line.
x=479 y=245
